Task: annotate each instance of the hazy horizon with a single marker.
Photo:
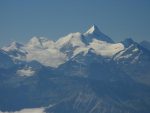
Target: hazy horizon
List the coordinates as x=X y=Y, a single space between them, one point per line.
x=21 y=20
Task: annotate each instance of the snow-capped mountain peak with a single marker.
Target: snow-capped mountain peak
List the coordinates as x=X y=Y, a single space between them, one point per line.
x=128 y=41
x=34 y=42
x=95 y=33
x=53 y=54
x=94 y=29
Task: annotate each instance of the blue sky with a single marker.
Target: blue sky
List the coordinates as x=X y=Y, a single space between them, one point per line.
x=22 y=19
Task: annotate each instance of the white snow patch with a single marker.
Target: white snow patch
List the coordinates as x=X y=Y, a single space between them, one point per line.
x=120 y=54
x=125 y=56
x=25 y=72
x=105 y=49
x=100 y=48
x=74 y=39
x=29 y=110
x=48 y=57
x=41 y=42
x=79 y=50
x=135 y=50
x=93 y=29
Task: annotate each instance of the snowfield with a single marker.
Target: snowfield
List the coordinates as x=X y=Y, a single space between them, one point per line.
x=29 y=110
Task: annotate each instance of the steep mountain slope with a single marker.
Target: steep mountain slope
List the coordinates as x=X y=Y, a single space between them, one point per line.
x=94 y=32
x=79 y=73
x=145 y=44
x=135 y=61
x=5 y=61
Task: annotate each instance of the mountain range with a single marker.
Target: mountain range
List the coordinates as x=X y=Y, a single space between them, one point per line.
x=79 y=73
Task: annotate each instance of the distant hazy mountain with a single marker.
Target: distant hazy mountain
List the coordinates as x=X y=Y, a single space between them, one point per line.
x=79 y=73
x=145 y=44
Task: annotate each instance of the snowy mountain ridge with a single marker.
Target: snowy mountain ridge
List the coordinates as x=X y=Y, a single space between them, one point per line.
x=53 y=54
x=79 y=73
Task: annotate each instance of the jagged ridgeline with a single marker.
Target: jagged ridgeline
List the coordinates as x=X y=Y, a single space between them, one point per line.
x=79 y=73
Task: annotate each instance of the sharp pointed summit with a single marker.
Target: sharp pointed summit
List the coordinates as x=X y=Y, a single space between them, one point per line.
x=93 y=29
x=94 y=32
